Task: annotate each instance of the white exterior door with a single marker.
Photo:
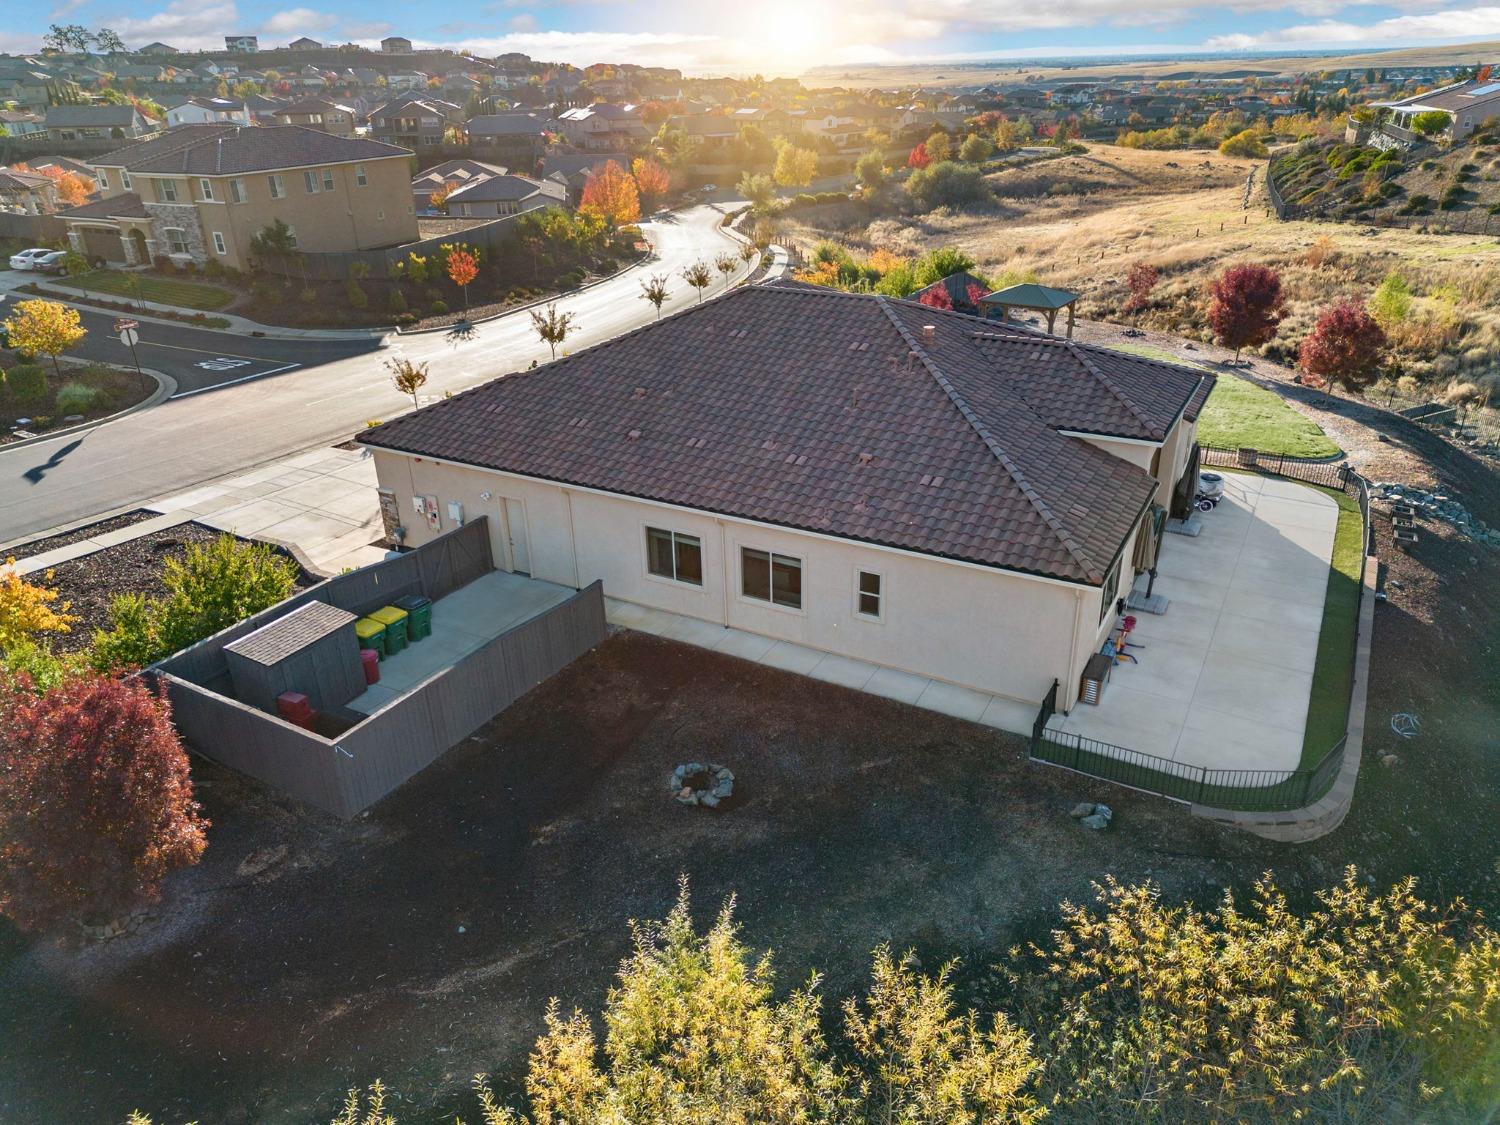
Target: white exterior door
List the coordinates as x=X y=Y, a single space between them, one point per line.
x=517 y=547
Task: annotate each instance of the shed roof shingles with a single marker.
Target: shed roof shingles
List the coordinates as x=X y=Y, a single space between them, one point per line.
x=811 y=409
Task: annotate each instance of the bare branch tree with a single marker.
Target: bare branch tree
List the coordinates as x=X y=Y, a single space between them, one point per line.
x=408 y=376
x=654 y=289
x=725 y=264
x=553 y=326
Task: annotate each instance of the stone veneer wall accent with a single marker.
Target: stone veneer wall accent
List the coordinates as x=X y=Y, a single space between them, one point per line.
x=183 y=216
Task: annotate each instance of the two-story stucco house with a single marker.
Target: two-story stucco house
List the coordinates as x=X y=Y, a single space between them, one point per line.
x=319 y=113
x=207 y=111
x=927 y=491
x=201 y=193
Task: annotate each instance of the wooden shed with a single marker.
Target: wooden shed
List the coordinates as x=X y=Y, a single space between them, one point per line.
x=312 y=650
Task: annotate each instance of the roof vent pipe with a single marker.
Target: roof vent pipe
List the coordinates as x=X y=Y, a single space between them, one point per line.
x=929 y=333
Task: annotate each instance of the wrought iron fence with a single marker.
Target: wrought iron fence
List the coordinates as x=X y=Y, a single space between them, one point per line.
x=1244 y=790
x=1329 y=474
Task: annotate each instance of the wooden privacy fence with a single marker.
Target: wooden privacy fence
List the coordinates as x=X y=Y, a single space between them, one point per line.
x=345 y=773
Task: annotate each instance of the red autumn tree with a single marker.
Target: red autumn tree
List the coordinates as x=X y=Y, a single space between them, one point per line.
x=463 y=268
x=96 y=805
x=976 y=293
x=918 y=157
x=1140 y=280
x=1245 y=306
x=610 y=193
x=937 y=297
x=72 y=189
x=651 y=177
x=1345 y=348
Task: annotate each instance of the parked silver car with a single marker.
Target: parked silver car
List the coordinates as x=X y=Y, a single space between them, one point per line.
x=39 y=258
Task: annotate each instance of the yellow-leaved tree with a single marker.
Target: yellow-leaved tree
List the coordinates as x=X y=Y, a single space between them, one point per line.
x=45 y=328
x=27 y=609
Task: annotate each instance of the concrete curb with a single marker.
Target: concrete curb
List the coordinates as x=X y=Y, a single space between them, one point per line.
x=637 y=264
x=1301 y=826
x=166 y=387
x=237 y=323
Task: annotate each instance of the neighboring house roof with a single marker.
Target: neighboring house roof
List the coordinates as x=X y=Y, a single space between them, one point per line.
x=315 y=105
x=126 y=205
x=830 y=412
x=957 y=286
x=66 y=164
x=91 y=116
x=457 y=171
x=1031 y=296
x=569 y=164
x=507 y=125
x=13 y=181
x=1457 y=98
x=503 y=189
x=228 y=150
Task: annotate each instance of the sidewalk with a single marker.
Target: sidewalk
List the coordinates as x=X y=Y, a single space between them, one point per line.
x=320 y=505
x=12 y=280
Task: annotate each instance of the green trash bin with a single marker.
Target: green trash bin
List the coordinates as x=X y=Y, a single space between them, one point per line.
x=394 y=621
x=418 y=616
x=371 y=634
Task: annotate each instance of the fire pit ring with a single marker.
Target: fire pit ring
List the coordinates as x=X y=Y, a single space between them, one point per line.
x=699 y=783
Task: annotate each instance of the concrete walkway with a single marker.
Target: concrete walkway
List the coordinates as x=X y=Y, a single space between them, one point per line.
x=1223 y=678
x=933 y=695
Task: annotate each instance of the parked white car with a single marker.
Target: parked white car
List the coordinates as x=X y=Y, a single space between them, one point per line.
x=39 y=258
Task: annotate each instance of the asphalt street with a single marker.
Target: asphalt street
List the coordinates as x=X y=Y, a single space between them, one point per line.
x=323 y=390
x=200 y=359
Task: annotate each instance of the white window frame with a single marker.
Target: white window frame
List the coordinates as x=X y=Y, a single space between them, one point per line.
x=206 y=186
x=311 y=182
x=361 y=178
x=166 y=191
x=124 y=179
x=104 y=178
x=770 y=602
x=169 y=232
x=219 y=247
x=674 y=535
x=328 y=179
x=1109 y=593
x=291 y=234
x=277 y=186
x=860 y=594
x=237 y=193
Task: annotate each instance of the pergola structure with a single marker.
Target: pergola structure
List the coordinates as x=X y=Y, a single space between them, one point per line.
x=1046 y=300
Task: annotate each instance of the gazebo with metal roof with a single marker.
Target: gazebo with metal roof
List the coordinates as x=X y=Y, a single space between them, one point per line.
x=1029 y=295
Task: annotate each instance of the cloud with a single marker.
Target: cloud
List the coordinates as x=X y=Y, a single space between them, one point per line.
x=525 y=21
x=298 y=21
x=584 y=47
x=185 y=24
x=1456 y=25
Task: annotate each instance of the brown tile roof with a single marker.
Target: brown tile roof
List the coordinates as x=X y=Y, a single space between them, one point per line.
x=229 y=150
x=828 y=412
x=126 y=205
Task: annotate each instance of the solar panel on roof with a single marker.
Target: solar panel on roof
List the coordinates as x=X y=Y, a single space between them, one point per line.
x=1487 y=89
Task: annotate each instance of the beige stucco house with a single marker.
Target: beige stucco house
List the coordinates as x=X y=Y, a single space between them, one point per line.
x=920 y=489
x=201 y=193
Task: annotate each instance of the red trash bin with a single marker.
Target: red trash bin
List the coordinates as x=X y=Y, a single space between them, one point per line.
x=295 y=708
x=371 y=661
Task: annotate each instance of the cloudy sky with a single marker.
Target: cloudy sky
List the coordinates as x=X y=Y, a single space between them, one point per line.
x=779 y=36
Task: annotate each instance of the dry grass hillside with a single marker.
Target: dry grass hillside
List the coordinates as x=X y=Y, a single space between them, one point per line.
x=1188 y=214
x=1457 y=187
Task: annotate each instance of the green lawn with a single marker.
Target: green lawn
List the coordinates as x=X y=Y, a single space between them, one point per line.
x=1239 y=413
x=166 y=291
x=1328 y=709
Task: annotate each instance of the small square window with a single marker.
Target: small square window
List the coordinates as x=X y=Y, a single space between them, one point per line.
x=327 y=179
x=871 y=595
x=670 y=554
x=360 y=179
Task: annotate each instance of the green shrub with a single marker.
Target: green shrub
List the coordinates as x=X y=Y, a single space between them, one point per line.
x=438 y=308
x=357 y=297
x=76 y=398
x=210 y=588
x=1417 y=205
x=26 y=384
x=268 y=292
x=396 y=302
x=947 y=184
x=213 y=268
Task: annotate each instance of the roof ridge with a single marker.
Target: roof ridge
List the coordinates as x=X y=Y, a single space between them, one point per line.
x=1098 y=373
x=1043 y=509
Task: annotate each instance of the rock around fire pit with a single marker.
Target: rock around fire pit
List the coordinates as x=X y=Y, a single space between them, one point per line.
x=698 y=784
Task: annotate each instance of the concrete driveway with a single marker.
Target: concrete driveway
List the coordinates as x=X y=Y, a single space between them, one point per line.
x=1224 y=676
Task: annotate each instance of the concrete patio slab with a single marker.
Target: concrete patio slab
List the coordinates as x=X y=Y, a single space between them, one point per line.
x=950 y=699
x=747 y=646
x=1224 y=676
x=843 y=671
x=791 y=658
x=900 y=686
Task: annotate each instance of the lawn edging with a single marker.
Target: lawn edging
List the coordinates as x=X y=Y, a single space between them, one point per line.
x=166 y=387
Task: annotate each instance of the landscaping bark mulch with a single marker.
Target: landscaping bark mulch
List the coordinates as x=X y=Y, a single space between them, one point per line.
x=91 y=583
x=78 y=535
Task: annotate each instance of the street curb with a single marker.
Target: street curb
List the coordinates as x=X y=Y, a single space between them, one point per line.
x=529 y=304
x=244 y=327
x=166 y=387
